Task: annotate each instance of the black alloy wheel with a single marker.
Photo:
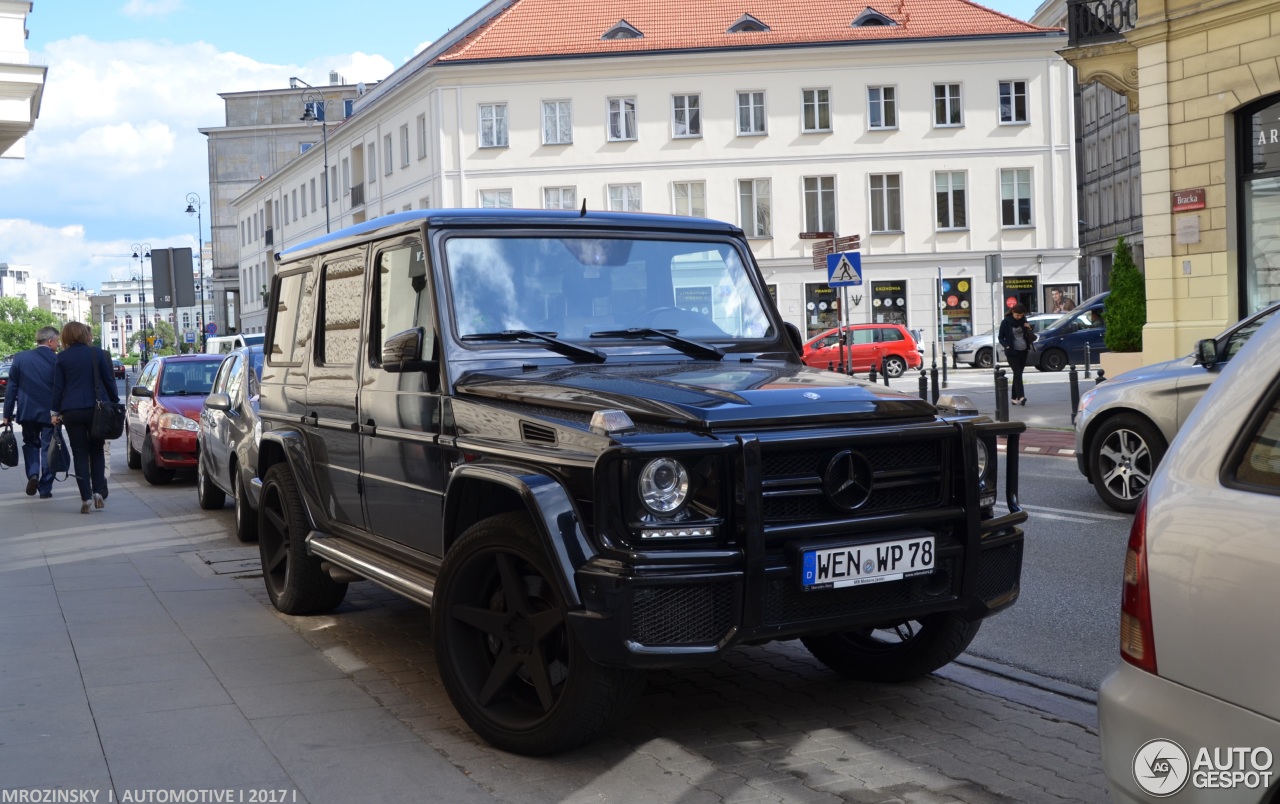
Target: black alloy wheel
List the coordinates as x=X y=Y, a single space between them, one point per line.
x=296 y=582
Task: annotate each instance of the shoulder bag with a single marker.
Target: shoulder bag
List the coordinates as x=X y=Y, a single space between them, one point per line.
x=58 y=458
x=8 y=448
x=108 y=416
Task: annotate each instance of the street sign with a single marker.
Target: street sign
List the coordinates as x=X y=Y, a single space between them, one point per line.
x=820 y=251
x=995 y=267
x=159 y=343
x=847 y=243
x=844 y=269
x=817 y=235
x=190 y=337
x=211 y=328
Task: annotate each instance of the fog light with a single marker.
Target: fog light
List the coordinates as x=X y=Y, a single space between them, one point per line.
x=652 y=534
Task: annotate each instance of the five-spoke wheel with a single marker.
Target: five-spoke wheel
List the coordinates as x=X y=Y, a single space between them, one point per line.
x=1123 y=457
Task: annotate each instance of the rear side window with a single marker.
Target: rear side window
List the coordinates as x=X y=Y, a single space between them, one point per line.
x=343 y=303
x=862 y=337
x=1259 y=465
x=288 y=339
x=890 y=334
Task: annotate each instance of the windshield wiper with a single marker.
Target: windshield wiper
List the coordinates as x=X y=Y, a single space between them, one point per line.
x=671 y=336
x=581 y=354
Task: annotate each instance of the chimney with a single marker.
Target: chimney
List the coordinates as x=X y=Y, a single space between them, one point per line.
x=334 y=78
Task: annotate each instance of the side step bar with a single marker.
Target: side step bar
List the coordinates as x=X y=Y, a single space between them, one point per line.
x=400 y=578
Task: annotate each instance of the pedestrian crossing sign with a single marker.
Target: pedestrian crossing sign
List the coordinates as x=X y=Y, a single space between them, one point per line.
x=844 y=269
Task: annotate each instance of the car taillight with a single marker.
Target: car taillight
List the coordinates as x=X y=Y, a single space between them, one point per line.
x=1137 y=643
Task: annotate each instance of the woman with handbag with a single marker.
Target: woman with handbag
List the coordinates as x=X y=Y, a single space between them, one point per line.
x=82 y=379
x=1017 y=337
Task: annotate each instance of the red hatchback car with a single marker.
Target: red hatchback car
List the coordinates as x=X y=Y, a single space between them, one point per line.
x=162 y=416
x=888 y=347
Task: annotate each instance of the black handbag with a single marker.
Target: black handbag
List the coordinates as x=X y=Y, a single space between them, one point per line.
x=108 y=416
x=8 y=447
x=58 y=457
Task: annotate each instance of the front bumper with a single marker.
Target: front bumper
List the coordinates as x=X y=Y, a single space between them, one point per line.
x=676 y=607
x=174 y=449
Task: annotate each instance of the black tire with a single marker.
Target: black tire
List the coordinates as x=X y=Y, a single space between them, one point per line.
x=210 y=497
x=516 y=673
x=296 y=582
x=894 y=366
x=1053 y=360
x=896 y=652
x=155 y=475
x=983 y=359
x=246 y=517
x=1123 y=456
x=133 y=458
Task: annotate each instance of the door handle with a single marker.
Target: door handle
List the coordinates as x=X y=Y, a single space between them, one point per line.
x=314 y=417
x=368 y=428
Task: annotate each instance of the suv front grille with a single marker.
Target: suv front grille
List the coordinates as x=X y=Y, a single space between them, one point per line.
x=681 y=615
x=998 y=571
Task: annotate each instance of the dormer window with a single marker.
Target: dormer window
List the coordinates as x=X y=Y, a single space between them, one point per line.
x=623 y=30
x=748 y=24
x=869 y=17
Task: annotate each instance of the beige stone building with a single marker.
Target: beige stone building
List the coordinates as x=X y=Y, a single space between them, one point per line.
x=1205 y=77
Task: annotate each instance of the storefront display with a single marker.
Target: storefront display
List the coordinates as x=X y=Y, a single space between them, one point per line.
x=821 y=309
x=957 y=309
x=889 y=301
x=1021 y=290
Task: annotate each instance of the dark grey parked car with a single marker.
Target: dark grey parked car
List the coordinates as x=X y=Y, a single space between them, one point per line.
x=228 y=440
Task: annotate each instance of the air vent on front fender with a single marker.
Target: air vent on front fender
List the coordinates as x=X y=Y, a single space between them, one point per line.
x=537 y=433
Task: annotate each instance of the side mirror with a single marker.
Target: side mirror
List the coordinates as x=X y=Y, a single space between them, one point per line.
x=1207 y=353
x=141 y=390
x=218 y=402
x=403 y=352
x=793 y=334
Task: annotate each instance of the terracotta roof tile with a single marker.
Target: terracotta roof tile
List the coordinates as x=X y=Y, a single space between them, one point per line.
x=541 y=28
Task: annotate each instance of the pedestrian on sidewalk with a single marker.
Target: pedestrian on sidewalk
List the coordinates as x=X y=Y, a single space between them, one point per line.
x=79 y=375
x=27 y=402
x=1016 y=336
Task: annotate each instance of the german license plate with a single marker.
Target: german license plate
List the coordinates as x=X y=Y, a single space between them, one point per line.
x=856 y=565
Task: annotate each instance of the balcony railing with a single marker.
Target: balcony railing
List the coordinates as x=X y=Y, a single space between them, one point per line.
x=1094 y=22
x=357 y=195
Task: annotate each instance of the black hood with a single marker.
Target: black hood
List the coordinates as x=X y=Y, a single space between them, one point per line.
x=702 y=395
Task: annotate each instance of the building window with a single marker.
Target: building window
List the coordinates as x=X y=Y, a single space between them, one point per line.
x=493 y=125
x=820 y=203
x=422 y=136
x=886 y=202
x=755 y=207
x=313 y=195
x=557 y=122
x=1015 y=197
x=388 y=156
x=622 y=119
x=559 y=197
x=371 y=161
x=949 y=190
x=686 y=116
x=1013 y=102
x=128 y=298
x=348 y=107
x=689 y=198
x=882 y=107
x=751 y=113
x=624 y=197
x=303 y=147
x=404 y=145
x=946 y=105
x=817 y=110
x=495 y=199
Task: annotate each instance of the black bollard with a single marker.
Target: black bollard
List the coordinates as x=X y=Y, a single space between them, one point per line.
x=885 y=373
x=1100 y=377
x=924 y=386
x=933 y=381
x=1088 y=359
x=1074 y=377
x=831 y=366
x=944 y=366
x=871 y=374
x=1002 y=396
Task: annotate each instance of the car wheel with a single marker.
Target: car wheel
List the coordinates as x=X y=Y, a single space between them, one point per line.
x=155 y=475
x=507 y=655
x=984 y=359
x=246 y=517
x=894 y=366
x=1053 y=360
x=296 y=582
x=210 y=497
x=133 y=458
x=1123 y=457
x=895 y=652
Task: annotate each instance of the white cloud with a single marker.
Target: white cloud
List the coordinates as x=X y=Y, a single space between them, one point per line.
x=150 y=8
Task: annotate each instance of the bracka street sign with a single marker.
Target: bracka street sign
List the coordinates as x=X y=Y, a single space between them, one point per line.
x=1186 y=200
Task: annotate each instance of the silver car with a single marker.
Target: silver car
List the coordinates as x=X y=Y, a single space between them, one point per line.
x=976 y=349
x=1124 y=425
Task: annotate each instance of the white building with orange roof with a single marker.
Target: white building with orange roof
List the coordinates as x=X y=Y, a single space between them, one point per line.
x=939 y=131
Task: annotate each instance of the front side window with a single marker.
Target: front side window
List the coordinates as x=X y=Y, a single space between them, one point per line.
x=624 y=197
x=1015 y=197
x=751 y=113
x=495 y=199
x=820 y=203
x=817 y=110
x=755 y=207
x=886 y=202
x=622 y=119
x=559 y=197
x=403 y=302
x=1013 y=102
x=689 y=198
x=946 y=105
x=949 y=190
x=882 y=107
x=557 y=122
x=286 y=336
x=686 y=116
x=493 y=125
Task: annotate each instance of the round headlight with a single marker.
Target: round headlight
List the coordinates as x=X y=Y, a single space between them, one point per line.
x=664 y=485
x=983 y=458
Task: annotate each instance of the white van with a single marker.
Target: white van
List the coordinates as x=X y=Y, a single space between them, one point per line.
x=224 y=344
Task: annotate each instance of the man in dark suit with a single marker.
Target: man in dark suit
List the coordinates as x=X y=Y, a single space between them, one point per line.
x=30 y=389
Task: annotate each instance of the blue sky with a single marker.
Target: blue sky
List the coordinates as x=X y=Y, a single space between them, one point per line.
x=116 y=148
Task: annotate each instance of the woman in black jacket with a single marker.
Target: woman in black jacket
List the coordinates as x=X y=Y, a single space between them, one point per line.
x=1016 y=336
x=81 y=376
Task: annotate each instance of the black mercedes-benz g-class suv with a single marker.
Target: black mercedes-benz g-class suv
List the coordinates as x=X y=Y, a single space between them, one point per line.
x=587 y=442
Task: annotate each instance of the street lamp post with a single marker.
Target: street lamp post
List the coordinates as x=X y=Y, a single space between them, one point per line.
x=193 y=208
x=309 y=116
x=142 y=251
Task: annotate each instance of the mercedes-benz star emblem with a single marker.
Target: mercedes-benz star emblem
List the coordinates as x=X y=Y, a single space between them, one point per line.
x=847 y=480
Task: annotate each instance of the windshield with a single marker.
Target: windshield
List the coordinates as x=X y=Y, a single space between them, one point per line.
x=573 y=287
x=188 y=379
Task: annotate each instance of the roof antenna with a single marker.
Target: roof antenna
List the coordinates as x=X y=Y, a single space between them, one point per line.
x=584 y=208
